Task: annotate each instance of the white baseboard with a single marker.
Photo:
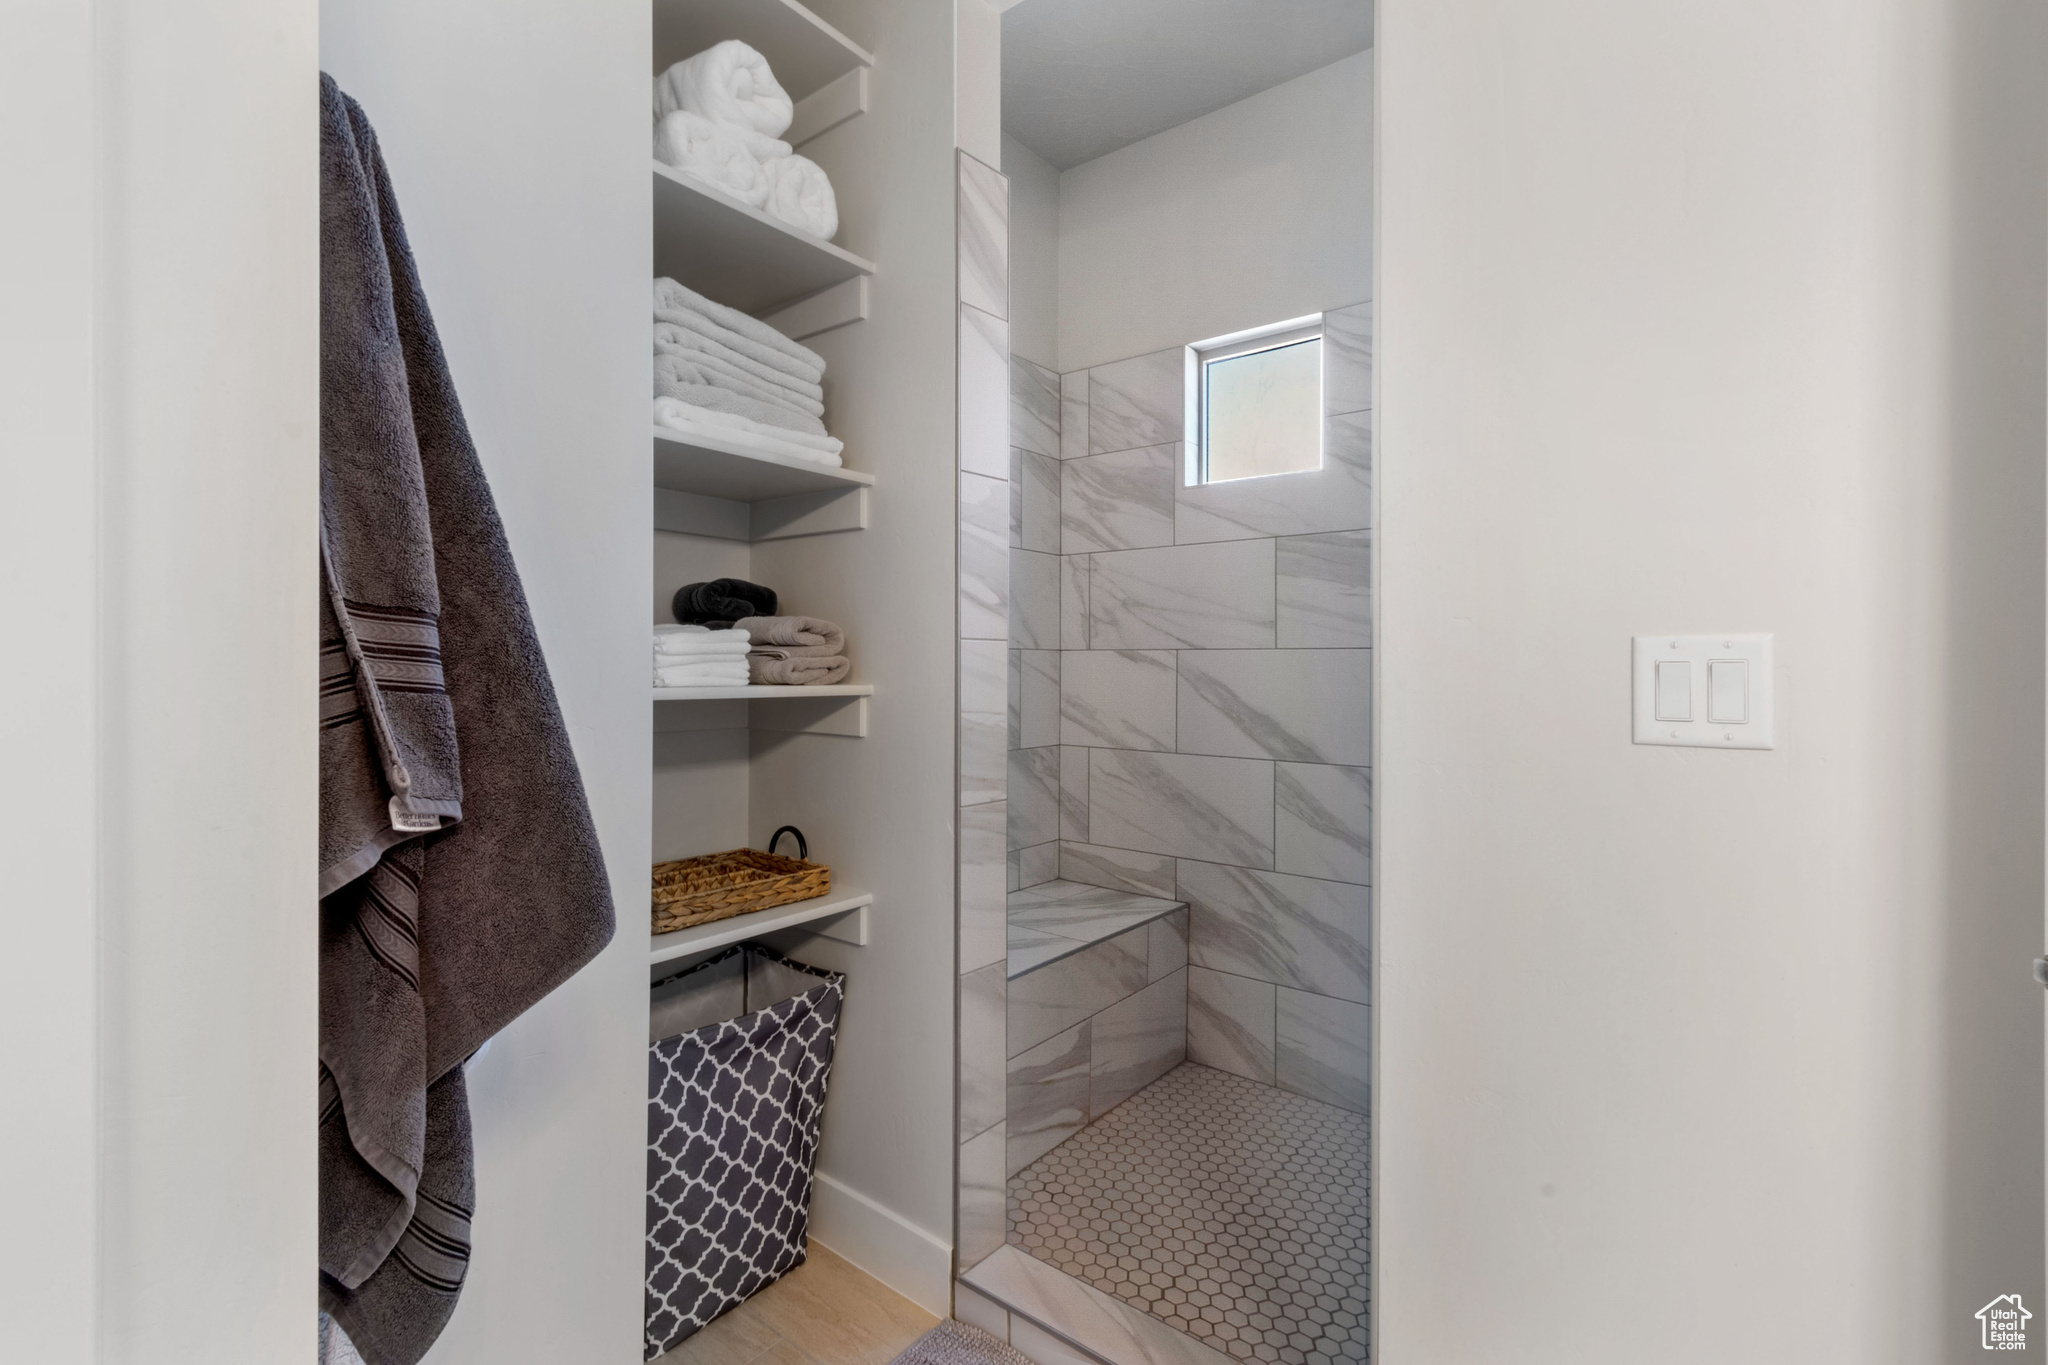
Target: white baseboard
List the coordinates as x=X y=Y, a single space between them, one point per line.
x=915 y=1263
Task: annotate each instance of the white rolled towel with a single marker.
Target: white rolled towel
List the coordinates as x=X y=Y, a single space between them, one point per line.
x=729 y=83
x=800 y=194
x=712 y=152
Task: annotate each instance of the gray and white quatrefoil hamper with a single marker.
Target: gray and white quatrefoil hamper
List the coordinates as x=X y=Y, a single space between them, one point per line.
x=733 y=1113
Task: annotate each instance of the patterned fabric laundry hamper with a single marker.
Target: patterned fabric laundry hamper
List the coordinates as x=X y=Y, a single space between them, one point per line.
x=740 y=1051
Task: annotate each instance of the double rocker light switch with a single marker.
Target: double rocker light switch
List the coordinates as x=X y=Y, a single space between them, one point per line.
x=1704 y=691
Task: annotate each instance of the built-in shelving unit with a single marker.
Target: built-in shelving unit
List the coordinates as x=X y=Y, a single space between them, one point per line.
x=849 y=908
x=806 y=53
x=761 y=692
x=736 y=254
x=701 y=465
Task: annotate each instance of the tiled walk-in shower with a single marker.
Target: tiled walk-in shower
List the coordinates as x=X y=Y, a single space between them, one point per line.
x=1228 y=1209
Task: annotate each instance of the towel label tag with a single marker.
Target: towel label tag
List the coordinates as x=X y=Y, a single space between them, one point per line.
x=405 y=822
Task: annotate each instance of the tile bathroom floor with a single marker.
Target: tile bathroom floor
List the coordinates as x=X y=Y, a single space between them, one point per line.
x=1228 y=1209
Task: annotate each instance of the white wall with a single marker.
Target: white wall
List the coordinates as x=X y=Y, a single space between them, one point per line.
x=879 y=809
x=1697 y=319
x=1034 y=253
x=516 y=138
x=160 y=352
x=1176 y=238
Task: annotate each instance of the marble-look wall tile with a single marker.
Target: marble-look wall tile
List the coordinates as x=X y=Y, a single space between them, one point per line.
x=1034 y=600
x=1073 y=793
x=1292 y=931
x=984 y=1208
x=983 y=744
x=984 y=877
x=1039 y=700
x=1038 y=500
x=1074 y=601
x=1186 y=596
x=1117 y=869
x=1188 y=806
x=1073 y=414
x=1166 y=951
x=1322 y=821
x=983 y=399
x=984 y=567
x=1016 y=699
x=1136 y=1041
x=1324 y=586
x=983 y=1023
x=1016 y=498
x=1034 y=796
x=1347 y=358
x=1137 y=402
x=1323 y=1049
x=1230 y=1023
x=1038 y=863
x=1034 y=407
x=983 y=231
x=1122 y=501
x=1048 y=1095
x=1011 y=872
x=1302 y=705
x=1117 y=699
x=1053 y=998
x=1337 y=497
x=984 y=676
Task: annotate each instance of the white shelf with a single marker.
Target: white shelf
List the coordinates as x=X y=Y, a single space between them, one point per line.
x=803 y=51
x=697 y=464
x=723 y=933
x=762 y=692
x=739 y=255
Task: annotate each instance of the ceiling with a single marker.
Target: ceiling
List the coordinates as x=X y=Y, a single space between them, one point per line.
x=1085 y=77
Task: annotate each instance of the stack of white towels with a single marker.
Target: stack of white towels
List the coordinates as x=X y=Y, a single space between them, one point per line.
x=720 y=116
x=697 y=656
x=721 y=374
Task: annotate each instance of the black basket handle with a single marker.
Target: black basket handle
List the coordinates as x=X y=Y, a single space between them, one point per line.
x=803 y=847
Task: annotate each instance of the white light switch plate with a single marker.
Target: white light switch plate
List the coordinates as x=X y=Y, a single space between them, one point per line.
x=1689 y=700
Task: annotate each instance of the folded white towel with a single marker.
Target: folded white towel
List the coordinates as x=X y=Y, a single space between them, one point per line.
x=751 y=337
x=674 y=378
x=696 y=644
x=729 y=83
x=722 y=674
x=669 y=337
x=694 y=367
x=800 y=194
x=712 y=152
x=738 y=433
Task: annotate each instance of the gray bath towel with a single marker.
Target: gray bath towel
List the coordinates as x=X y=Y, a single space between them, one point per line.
x=798 y=637
x=443 y=937
x=790 y=668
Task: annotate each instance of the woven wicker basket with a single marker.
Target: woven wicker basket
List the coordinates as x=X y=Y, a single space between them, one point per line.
x=719 y=886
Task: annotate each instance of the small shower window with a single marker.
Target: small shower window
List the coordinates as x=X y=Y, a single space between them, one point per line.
x=1258 y=403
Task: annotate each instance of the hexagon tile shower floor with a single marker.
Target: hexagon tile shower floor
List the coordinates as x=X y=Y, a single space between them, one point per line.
x=1226 y=1208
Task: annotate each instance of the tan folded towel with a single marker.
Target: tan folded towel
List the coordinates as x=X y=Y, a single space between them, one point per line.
x=777 y=667
x=802 y=637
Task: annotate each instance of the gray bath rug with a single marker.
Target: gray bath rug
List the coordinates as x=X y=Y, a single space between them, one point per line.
x=954 y=1342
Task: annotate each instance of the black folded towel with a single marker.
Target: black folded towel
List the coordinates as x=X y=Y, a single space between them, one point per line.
x=721 y=602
